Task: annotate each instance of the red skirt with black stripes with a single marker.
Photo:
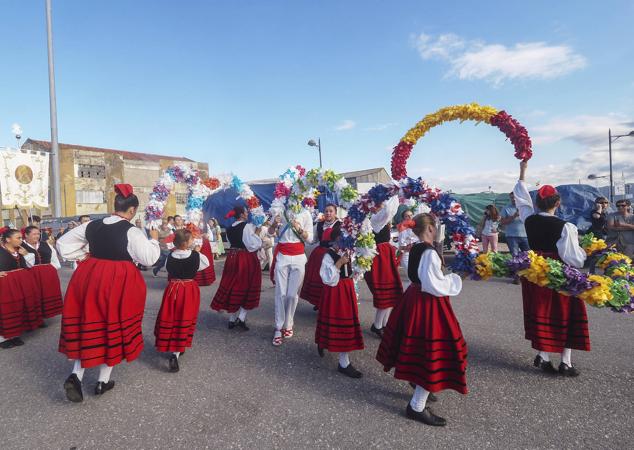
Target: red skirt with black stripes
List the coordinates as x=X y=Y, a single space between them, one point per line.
x=424 y=344
x=240 y=283
x=338 y=327
x=176 y=320
x=313 y=286
x=553 y=321
x=20 y=309
x=383 y=278
x=207 y=276
x=49 y=289
x=103 y=312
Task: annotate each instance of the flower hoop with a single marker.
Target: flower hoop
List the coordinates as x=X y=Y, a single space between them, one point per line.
x=198 y=191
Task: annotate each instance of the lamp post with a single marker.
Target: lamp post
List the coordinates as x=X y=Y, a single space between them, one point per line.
x=16 y=129
x=317 y=144
x=610 y=140
x=57 y=197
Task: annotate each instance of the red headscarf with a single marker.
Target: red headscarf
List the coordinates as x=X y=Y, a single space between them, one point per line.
x=546 y=191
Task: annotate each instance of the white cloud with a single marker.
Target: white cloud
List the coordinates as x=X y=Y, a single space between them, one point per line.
x=346 y=125
x=380 y=127
x=496 y=63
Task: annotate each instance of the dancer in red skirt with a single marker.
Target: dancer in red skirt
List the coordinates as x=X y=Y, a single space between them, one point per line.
x=105 y=298
x=239 y=289
x=20 y=308
x=553 y=322
x=206 y=276
x=312 y=287
x=338 y=328
x=422 y=339
x=383 y=278
x=176 y=321
x=45 y=272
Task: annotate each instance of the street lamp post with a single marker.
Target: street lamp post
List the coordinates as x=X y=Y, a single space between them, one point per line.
x=57 y=198
x=610 y=140
x=317 y=144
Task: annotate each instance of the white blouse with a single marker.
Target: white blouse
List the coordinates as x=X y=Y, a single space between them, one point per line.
x=251 y=240
x=28 y=259
x=54 y=259
x=385 y=214
x=73 y=245
x=433 y=280
x=405 y=238
x=328 y=271
x=184 y=254
x=568 y=246
x=305 y=221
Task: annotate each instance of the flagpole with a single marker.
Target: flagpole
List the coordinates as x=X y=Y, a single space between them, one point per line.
x=57 y=198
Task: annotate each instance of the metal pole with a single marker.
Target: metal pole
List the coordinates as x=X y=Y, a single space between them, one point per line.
x=319 y=146
x=610 y=153
x=57 y=198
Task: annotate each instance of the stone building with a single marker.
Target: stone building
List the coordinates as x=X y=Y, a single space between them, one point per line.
x=88 y=175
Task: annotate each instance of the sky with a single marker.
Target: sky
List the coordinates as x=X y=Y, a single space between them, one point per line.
x=243 y=85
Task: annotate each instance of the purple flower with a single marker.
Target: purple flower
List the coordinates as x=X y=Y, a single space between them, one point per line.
x=519 y=262
x=576 y=281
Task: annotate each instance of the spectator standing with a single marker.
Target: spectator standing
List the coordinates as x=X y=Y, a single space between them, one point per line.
x=165 y=244
x=514 y=228
x=170 y=221
x=621 y=228
x=489 y=225
x=599 y=218
x=36 y=221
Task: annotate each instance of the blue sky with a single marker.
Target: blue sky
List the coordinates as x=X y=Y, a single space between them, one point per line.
x=244 y=84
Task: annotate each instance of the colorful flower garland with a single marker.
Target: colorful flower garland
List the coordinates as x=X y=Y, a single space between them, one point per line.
x=487 y=114
x=442 y=204
x=198 y=191
x=615 y=288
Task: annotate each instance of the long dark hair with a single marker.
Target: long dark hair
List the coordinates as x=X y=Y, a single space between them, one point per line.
x=494 y=215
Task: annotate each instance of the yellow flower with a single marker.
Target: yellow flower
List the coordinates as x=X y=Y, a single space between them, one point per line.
x=598 y=295
x=595 y=246
x=618 y=257
x=537 y=272
x=483 y=266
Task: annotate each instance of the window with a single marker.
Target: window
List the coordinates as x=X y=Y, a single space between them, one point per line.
x=95 y=197
x=181 y=198
x=91 y=171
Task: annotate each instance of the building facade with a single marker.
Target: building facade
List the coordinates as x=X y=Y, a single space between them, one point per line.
x=88 y=175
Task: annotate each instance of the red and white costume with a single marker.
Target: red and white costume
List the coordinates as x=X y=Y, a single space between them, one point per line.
x=105 y=298
x=313 y=285
x=44 y=271
x=206 y=276
x=176 y=320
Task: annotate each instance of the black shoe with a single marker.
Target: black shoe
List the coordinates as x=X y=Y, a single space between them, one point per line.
x=173 y=364
x=350 y=371
x=232 y=325
x=43 y=325
x=320 y=351
x=101 y=387
x=7 y=344
x=17 y=341
x=568 y=371
x=72 y=385
x=425 y=416
x=546 y=366
x=315 y=308
x=430 y=398
x=377 y=331
x=242 y=325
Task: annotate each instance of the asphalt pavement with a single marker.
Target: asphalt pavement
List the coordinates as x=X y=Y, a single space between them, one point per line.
x=235 y=390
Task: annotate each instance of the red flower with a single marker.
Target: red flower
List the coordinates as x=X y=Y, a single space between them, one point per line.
x=516 y=133
x=212 y=183
x=400 y=155
x=281 y=190
x=309 y=202
x=253 y=202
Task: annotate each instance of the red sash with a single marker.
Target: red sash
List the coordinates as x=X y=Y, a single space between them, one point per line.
x=288 y=249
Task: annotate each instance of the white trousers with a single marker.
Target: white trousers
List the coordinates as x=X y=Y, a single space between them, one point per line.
x=289 y=275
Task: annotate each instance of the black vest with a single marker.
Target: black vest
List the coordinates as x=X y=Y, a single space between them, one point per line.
x=383 y=235
x=109 y=241
x=183 y=269
x=8 y=261
x=346 y=269
x=415 y=254
x=543 y=232
x=42 y=254
x=234 y=235
x=320 y=232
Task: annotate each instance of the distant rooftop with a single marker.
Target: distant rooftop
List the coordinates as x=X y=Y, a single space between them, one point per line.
x=46 y=146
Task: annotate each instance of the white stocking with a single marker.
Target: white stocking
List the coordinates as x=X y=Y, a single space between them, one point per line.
x=104 y=373
x=344 y=361
x=566 y=357
x=233 y=316
x=545 y=356
x=242 y=314
x=78 y=369
x=419 y=399
x=388 y=311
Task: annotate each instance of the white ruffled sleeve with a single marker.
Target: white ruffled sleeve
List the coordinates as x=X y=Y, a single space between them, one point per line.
x=251 y=240
x=523 y=200
x=29 y=260
x=568 y=247
x=142 y=250
x=328 y=271
x=306 y=222
x=204 y=262
x=385 y=214
x=433 y=280
x=73 y=246
x=54 y=259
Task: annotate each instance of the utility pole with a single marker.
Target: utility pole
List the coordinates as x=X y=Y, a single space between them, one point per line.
x=57 y=198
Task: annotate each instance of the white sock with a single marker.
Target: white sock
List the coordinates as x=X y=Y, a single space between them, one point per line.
x=378 y=318
x=566 y=357
x=344 y=361
x=545 y=356
x=233 y=316
x=242 y=314
x=104 y=373
x=386 y=317
x=419 y=399
x=278 y=333
x=2 y=339
x=78 y=369
x=177 y=354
